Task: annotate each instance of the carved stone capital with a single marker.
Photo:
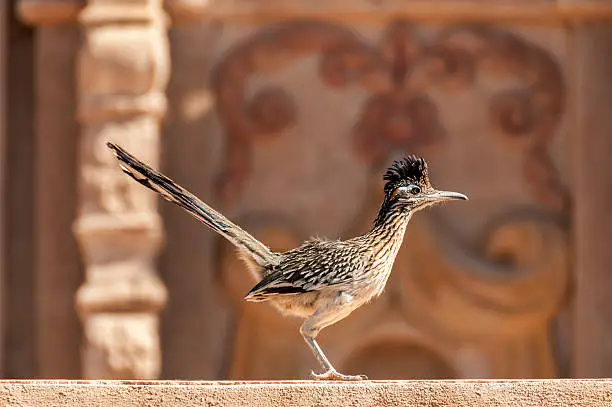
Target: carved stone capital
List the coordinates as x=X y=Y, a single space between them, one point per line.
x=186 y=10
x=49 y=12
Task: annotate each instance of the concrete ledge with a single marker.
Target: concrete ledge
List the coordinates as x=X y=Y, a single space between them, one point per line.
x=470 y=393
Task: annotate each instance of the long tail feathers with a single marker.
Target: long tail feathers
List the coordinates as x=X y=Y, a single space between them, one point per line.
x=172 y=192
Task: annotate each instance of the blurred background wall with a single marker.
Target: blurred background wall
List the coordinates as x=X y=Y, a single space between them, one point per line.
x=283 y=115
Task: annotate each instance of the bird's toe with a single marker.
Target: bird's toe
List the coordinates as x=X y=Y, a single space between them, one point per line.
x=334 y=375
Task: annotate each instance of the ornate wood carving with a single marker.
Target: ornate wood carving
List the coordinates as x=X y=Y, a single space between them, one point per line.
x=477 y=309
x=123 y=70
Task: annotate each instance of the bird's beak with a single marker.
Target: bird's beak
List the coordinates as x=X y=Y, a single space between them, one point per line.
x=439 y=196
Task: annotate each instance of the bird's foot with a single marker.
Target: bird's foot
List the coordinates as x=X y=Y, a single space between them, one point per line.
x=331 y=374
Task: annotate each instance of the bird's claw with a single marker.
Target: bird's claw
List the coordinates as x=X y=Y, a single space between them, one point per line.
x=333 y=375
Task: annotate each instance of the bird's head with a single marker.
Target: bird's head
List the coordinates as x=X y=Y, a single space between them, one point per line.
x=407 y=186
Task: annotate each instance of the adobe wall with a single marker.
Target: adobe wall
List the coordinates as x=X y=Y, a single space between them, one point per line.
x=305 y=393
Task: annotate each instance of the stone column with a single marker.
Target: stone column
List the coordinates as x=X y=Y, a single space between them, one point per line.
x=590 y=48
x=123 y=69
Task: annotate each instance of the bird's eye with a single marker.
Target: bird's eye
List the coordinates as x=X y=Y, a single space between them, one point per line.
x=414 y=190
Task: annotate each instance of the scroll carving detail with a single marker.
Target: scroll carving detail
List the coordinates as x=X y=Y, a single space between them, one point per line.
x=497 y=282
x=399 y=72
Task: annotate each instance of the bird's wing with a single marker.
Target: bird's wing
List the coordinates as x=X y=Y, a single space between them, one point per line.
x=311 y=267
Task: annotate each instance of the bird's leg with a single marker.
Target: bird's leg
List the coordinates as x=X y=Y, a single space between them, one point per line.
x=310 y=329
x=330 y=372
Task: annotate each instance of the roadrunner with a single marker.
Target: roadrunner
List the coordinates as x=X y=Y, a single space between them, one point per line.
x=321 y=281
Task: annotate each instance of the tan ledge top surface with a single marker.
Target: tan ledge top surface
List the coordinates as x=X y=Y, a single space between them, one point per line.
x=472 y=393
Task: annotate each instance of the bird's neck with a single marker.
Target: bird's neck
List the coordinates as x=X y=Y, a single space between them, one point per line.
x=390 y=224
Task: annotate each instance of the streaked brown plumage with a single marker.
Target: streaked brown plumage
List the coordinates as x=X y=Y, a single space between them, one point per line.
x=322 y=281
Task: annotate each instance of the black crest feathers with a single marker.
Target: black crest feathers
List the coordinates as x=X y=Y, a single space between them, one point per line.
x=410 y=170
